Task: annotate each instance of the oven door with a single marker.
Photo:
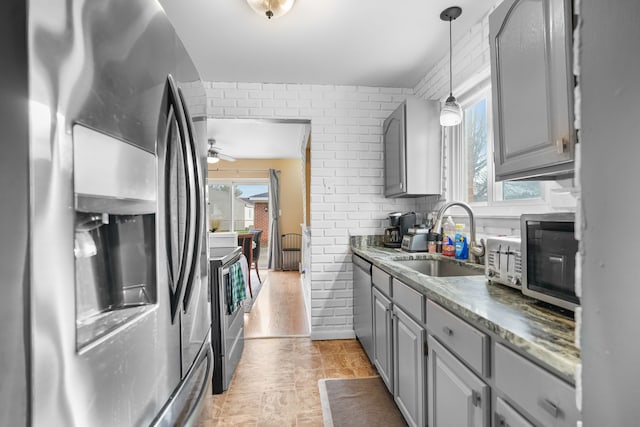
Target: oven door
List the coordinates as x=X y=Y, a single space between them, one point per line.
x=549 y=251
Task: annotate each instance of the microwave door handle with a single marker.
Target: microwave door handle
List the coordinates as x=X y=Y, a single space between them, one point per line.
x=556 y=259
x=187 y=249
x=198 y=201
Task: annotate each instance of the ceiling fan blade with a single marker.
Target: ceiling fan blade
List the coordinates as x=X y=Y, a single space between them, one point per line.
x=225 y=157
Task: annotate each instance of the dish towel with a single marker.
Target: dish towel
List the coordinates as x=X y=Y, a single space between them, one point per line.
x=235 y=288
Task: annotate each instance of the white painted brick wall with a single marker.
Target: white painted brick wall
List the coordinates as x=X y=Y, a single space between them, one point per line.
x=346 y=175
x=347 y=164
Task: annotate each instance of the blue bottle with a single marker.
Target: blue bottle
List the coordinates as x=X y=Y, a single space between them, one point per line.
x=462 y=243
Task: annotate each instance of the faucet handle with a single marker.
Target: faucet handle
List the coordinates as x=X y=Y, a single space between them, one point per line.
x=476 y=249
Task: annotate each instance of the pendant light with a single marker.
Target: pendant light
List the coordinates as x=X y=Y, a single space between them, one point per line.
x=451 y=113
x=271 y=8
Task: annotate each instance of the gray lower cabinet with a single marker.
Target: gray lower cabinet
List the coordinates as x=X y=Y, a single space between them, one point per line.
x=362 y=318
x=532 y=89
x=408 y=373
x=506 y=416
x=544 y=398
x=456 y=396
x=452 y=380
x=382 y=344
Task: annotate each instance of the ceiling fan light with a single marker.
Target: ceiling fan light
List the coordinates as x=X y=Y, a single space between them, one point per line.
x=212 y=157
x=271 y=8
x=451 y=113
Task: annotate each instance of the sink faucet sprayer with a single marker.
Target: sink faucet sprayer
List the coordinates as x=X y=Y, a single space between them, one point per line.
x=476 y=250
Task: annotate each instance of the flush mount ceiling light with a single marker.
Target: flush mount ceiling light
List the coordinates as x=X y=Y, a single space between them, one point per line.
x=271 y=8
x=451 y=113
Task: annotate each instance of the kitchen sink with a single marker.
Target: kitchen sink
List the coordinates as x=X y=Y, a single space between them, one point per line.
x=441 y=268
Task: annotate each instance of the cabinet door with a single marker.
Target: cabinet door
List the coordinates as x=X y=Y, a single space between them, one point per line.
x=362 y=317
x=394 y=153
x=408 y=372
x=531 y=74
x=382 y=349
x=456 y=396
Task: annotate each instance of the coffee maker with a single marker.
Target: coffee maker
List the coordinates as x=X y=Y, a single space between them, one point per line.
x=399 y=224
x=392 y=236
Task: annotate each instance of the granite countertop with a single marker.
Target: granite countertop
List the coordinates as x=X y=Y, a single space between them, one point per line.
x=539 y=332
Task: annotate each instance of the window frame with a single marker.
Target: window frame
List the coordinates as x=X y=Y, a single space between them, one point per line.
x=471 y=92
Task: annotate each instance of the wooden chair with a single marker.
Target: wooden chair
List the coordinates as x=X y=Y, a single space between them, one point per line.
x=257 y=234
x=246 y=242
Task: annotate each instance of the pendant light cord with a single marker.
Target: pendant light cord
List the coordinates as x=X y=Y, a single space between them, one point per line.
x=450 y=60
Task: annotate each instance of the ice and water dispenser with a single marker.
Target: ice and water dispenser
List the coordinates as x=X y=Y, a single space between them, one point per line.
x=115 y=192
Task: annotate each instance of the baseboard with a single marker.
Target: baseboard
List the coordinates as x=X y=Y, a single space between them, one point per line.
x=332 y=335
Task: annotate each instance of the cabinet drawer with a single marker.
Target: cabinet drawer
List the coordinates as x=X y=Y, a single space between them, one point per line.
x=506 y=416
x=463 y=339
x=547 y=398
x=410 y=300
x=381 y=280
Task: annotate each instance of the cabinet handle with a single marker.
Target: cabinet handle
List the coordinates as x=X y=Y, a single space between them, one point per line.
x=448 y=330
x=548 y=406
x=475 y=398
x=561 y=145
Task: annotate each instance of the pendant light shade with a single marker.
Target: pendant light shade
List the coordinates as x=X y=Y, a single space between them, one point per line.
x=271 y=8
x=451 y=113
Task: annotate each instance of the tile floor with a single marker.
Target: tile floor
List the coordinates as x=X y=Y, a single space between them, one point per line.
x=276 y=381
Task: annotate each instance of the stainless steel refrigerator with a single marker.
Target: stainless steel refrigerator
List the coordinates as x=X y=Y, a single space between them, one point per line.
x=104 y=312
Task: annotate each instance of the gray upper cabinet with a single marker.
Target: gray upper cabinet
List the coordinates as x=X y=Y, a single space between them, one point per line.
x=412 y=149
x=532 y=89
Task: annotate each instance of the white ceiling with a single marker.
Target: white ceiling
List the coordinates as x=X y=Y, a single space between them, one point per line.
x=343 y=42
x=349 y=42
x=259 y=139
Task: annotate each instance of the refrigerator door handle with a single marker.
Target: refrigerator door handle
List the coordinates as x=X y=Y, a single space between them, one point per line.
x=198 y=201
x=187 y=400
x=185 y=263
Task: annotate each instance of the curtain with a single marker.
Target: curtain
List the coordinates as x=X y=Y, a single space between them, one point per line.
x=275 y=245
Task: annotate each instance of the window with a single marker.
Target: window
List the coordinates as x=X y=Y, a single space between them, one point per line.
x=238 y=205
x=471 y=170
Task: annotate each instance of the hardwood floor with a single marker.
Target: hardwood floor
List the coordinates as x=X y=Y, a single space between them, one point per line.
x=279 y=308
x=276 y=381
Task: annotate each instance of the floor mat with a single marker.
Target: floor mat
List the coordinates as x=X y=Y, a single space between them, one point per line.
x=358 y=402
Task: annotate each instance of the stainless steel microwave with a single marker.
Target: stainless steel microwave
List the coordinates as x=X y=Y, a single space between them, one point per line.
x=549 y=251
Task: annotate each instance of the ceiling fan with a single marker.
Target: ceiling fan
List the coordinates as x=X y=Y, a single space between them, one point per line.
x=214 y=155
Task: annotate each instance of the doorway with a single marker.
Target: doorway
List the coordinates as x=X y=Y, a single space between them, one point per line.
x=240 y=205
x=238 y=187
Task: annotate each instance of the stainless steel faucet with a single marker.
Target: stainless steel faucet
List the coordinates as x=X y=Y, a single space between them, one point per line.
x=476 y=250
